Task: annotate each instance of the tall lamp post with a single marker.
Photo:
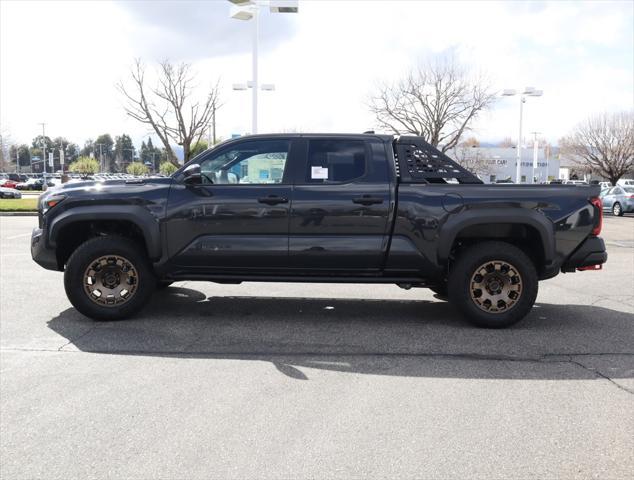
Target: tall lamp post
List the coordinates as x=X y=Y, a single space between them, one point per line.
x=528 y=92
x=249 y=10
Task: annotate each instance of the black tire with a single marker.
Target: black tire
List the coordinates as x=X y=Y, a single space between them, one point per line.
x=466 y=296
x=617 y=210
x=161 y=284
x=76 y=280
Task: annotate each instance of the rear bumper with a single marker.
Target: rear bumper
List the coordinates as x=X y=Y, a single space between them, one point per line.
x=42 y=255
x=590 y=252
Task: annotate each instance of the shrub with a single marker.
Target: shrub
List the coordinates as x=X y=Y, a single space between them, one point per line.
x=167 y=168
x=84 y=166
x=137 y=168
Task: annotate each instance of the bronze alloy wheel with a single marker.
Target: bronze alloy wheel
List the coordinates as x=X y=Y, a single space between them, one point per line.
x=496 y=286
x=110 y=280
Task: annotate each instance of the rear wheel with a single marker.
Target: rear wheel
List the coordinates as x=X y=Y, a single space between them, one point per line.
x=108 y=278
x=617 y=210
x=493 y=284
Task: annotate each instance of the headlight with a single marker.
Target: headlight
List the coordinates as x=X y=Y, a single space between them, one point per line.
x=49 y=201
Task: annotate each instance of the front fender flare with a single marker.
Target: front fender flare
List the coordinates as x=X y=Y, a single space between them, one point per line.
x=139 y=216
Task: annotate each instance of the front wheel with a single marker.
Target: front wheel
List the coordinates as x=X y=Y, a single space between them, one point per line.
x=617 y=210
x=108 y=278
x=493 y=284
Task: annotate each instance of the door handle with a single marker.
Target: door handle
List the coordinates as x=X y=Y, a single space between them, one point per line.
x=367 y=200
x=273 y=200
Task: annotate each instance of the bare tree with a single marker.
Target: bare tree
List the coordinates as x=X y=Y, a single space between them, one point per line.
x=473 y=160
x=469 y=142
x=438 y=101
x=603 y=144
x=168 y=107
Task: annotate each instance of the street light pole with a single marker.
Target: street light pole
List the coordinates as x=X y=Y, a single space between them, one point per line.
x=535 y=155
x=43 y=145
x=518 y=168
x=249 y=10
x=100 y=156
x=528 y=92
x=254 y=120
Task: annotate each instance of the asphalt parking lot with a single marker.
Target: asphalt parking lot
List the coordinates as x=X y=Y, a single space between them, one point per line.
x=316 y=381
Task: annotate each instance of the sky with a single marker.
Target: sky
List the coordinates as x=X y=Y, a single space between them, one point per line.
x=60 y=61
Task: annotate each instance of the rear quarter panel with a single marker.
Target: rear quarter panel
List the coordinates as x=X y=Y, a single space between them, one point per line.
x=429 y=217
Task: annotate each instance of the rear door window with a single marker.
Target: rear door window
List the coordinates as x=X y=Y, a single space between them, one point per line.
x=335 y=161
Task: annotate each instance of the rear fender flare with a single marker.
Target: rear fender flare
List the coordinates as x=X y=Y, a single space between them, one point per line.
x=456 y=223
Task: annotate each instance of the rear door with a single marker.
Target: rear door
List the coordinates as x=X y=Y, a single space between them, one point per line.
x=341 y=202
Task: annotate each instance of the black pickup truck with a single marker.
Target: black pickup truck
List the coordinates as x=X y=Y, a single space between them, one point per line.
x=319 y=208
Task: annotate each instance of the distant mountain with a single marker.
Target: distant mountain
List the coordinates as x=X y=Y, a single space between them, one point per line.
x=178 y=151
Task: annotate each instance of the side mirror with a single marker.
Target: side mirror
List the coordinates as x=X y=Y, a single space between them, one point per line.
x=191 y=175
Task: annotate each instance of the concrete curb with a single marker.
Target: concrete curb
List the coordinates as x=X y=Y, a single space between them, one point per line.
x=18 y=214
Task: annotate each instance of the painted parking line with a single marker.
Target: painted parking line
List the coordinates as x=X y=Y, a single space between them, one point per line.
x=17 y=236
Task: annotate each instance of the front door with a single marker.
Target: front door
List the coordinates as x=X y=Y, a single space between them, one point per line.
x=340 y=207
x=237 y=218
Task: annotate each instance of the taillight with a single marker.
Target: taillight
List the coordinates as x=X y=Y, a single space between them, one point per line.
x=598 y=224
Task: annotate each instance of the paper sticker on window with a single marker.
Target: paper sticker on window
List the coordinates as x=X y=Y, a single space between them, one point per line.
x=317 y=173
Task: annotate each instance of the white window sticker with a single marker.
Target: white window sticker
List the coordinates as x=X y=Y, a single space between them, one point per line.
x=317 y=173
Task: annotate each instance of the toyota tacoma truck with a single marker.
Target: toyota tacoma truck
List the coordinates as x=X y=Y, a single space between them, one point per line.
x=363 y=208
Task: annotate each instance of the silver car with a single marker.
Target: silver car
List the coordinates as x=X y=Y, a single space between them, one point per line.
x=9 y=193
x=618 y=200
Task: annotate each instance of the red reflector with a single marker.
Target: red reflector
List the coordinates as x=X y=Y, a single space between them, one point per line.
x=591 y=267
x=596 y=201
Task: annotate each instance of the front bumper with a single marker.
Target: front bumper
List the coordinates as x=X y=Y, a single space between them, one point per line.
x=591 y=252
x=42 y=255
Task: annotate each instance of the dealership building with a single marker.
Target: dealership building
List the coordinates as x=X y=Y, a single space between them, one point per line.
x=493 y=164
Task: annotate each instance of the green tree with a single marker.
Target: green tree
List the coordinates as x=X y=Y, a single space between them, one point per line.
x=150 y=154
x=137 y=168
x=70 y=151
x=168 y=168
x=124 y=151
x=40 y=141
x=104 y=151
x=89 y=148
x=197 y=148
x=84 y=166
x=20 y=153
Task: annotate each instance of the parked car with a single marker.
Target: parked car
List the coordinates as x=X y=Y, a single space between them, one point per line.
x=618 y=200
x=9 y=193
x=321 y=208
x=625 y=182
x=8 y=183
x=575 y=182
x=605 y=185
x=35 y=184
